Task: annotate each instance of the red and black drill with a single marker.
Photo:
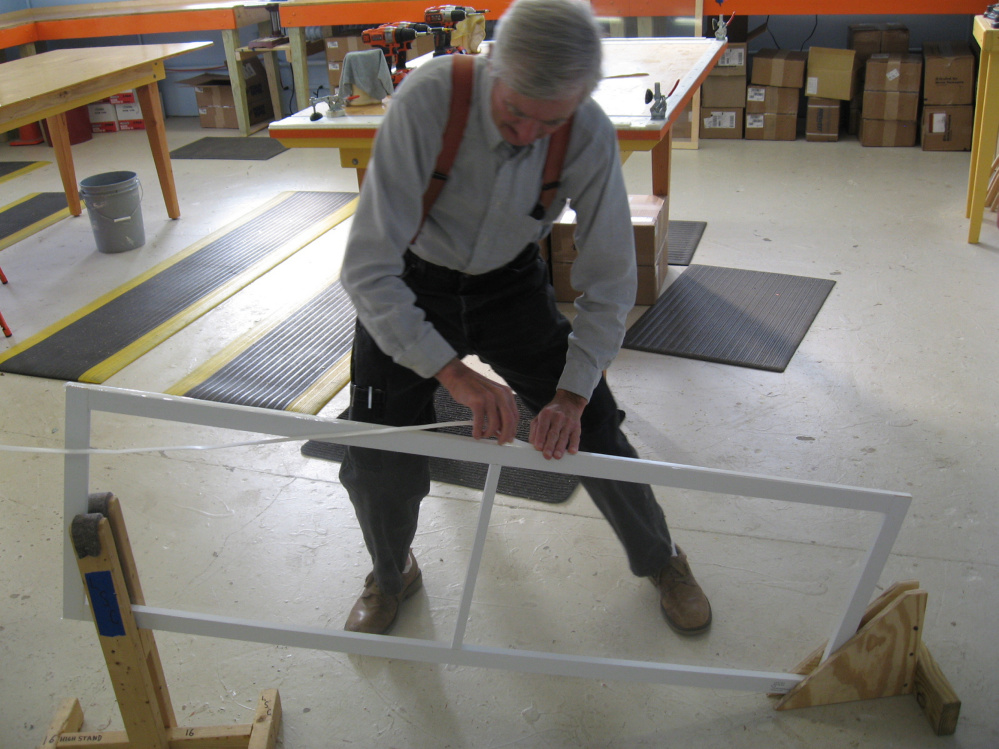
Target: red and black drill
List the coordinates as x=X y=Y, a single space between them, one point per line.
x=395 y=40
x=442 y=19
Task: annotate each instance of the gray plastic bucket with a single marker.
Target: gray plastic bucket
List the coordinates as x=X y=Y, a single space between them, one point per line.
x=114 y=204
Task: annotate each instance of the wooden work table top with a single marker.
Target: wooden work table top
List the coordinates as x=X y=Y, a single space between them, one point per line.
x=59 y=72
x=631 y=67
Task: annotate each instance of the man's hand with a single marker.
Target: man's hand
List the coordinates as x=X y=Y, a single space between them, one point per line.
x=494 y=410
x=556 y=429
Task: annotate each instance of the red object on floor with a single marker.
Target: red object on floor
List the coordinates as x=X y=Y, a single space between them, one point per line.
x=29 y=135
x=78 y=125
x=3 y=323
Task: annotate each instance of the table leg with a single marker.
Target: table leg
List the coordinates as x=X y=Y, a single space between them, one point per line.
x=299 y=56
x=59 y=132
x=152 y=114
x=986 y=130
x=661 y=163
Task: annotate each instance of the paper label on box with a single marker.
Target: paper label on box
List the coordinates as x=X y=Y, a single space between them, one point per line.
x=334 y=66
x=812 y=87
x=754 y=120
x=248 y=71
x=733 y=57
x=938 y=122
x=893 y=74
x=756 y=93
x=720 y=120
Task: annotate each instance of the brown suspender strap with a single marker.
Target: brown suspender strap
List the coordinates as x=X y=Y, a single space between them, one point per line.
x=462 y=79
x=558 y=143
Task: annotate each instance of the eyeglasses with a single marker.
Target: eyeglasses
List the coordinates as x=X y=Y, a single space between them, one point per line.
x=516 y=113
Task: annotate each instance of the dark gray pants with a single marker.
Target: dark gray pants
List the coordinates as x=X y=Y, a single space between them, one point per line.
x=507 y=318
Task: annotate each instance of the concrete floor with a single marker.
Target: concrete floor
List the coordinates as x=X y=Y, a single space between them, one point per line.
x=891 y=389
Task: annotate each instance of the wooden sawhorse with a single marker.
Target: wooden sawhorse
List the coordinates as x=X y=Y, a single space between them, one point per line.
x=107 y=566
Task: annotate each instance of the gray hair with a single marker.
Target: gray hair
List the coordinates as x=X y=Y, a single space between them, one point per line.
x=548 y=49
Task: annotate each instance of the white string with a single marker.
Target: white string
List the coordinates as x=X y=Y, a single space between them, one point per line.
x=228 y=445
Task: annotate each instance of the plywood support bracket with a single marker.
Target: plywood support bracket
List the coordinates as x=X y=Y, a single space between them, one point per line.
x=887 y=657
x=109 y=574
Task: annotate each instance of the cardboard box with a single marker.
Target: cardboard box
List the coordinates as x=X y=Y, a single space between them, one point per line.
x=887 y=132
x=864 y=39
x=731 y=62
x=779 y=67
x=832 y=73
x=129 y=117
x=948 y=128
x=722 y=123
x=337 y=47
x=948 y=73
x=103 y=117
x=681 y=128
x=125 y=97
x=724 y=91
x=894 y=38
x=563 y=237
x=651 y=280
x=771 y=126
x=225 y=117
x=774 y=99
x=891 y=105
x=894 y=72
x=650 y=221
x=822 y=120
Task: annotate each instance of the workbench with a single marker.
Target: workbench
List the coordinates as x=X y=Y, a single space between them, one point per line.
x=631 y=67
x=47 y=85
x=983 y=139
x=25 y=28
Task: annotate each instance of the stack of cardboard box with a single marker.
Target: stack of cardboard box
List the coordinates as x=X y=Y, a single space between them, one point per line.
x=948 y=96
x=868 y=39
x=723 y=95
x=216 y=102
x=772 y=98
x=117 y=112
x=832 y=79
x=890 y=107
x=650 y=219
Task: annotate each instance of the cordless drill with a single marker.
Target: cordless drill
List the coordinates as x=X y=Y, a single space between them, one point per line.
x=395 y=40
x=442 y=20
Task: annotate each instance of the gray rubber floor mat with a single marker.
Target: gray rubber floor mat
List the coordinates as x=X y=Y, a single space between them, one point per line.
x=278 y=369
x=731 y=316
x=237 y=149
x=515 y=482
x=682 y=238
x=91 y=345
x=37 y=208
x=10 y=169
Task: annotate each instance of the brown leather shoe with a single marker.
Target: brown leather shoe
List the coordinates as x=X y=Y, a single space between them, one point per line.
x=374 y=612
x=684 y=604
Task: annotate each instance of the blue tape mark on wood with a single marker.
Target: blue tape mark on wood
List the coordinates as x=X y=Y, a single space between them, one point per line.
x=104 y=601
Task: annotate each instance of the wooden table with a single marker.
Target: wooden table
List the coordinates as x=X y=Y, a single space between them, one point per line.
x=48 y=85
x=631 y=66
x=983 y=139
x=24 y=28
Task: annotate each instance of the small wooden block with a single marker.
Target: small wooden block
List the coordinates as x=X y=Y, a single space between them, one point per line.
x=935 y=695
x=68 y=719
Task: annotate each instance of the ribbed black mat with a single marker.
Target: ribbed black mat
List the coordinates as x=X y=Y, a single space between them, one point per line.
x=731 y=316
x=19 y=217
x=682 y=238
x=8 y=168
x=237 y=149
x=81 y=342
x=281 y=367
x=515 y=482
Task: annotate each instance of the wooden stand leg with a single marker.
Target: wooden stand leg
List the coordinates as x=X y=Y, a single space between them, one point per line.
x=59 y=132
x=152 y=114
x=104 y=556
x=886 y=657
x=661 y=165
